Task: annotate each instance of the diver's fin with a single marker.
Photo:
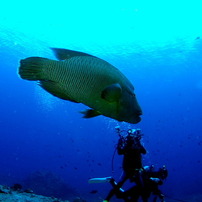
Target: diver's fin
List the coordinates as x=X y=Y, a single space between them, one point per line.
x=99 y=180
x=63 y=54
x=89 y=113
x=112 y=93
x=53 y=88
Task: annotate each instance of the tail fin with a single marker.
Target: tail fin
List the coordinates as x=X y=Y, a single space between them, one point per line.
x=32 y=68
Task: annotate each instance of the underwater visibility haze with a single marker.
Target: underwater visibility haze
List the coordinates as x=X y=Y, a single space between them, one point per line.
x=44 y=140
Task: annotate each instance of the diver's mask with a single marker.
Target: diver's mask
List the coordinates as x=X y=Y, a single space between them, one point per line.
x=135 y=133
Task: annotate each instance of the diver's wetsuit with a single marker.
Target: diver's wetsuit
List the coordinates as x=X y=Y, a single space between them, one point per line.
x=132 y=160
x=132 y=150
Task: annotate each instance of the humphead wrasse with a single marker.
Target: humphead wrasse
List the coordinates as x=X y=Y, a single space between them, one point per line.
x=83 y=78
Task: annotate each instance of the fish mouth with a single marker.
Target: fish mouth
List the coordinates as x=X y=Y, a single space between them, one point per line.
x=139 y=113
x=135 y=119
x=138 y=119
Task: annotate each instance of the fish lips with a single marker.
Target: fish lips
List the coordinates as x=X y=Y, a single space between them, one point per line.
x=133 y=118
x=138 y=119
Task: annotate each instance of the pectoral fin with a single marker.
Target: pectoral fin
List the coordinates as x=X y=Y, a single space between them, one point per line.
x=89 y=113
x=112 y=93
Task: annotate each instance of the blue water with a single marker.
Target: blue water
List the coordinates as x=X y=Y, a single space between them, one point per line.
x=158 y=48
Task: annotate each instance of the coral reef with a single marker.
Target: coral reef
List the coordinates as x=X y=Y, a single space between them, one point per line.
x=48 y=184
x=8 y=194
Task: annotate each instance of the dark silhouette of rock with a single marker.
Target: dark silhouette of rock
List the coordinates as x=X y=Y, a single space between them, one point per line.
x=48 y=184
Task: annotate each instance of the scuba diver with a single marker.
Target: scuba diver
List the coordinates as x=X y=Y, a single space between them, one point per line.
x=131 y=148
x=152 y=178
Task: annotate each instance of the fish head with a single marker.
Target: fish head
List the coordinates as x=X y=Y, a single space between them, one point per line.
x=129 y=108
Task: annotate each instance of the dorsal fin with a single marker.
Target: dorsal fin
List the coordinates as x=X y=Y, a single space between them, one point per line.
x=63 y=54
